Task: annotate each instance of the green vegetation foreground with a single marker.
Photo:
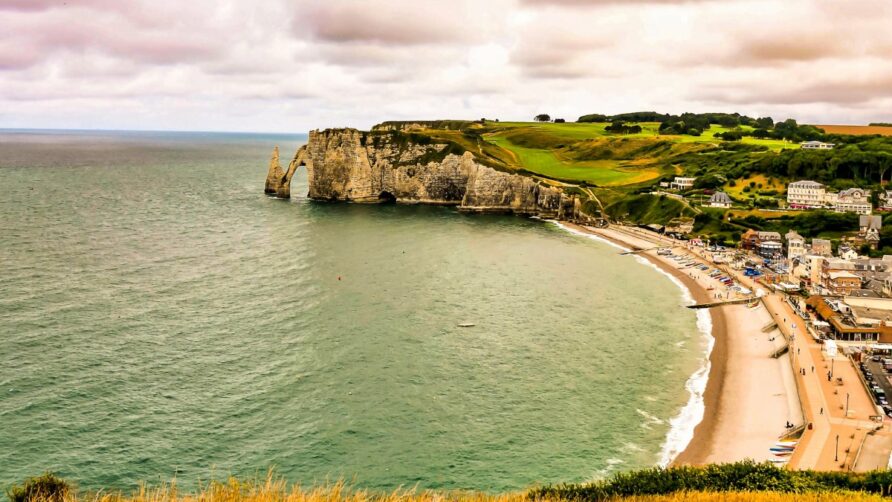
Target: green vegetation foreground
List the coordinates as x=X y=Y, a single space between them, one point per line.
x=741 y=481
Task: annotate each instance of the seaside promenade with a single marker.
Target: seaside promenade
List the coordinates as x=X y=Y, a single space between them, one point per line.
x=836 y=404
x=842 y=428
x=838 y=411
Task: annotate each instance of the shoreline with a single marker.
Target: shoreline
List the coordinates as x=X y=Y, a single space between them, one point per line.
x=721 y=432
x=699 y=446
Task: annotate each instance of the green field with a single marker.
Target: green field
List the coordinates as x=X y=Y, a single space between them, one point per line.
x=581 y=131
x=587 y=152
x=552 y=164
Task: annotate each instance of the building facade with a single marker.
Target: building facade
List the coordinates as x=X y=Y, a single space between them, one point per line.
x=720 y=199
x=795 y=245
x=817 y=145
x=854 y=200
x=821 y=247
x=805 y=194
x=842 y=282
x=682 y=183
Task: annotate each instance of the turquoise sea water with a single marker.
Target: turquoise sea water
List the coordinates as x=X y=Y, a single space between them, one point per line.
x=161 y=317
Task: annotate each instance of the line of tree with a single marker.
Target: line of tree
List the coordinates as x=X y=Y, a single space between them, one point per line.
x=881 y=124
x=622 y=128
x=701 y=120
x=869 y=161
x=693 y=124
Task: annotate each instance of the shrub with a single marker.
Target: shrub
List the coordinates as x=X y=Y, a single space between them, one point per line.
x=740 y=476
x=48 y=487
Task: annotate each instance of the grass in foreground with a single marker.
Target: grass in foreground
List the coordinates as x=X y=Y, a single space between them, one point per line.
x=273 y=490
x=741 y=481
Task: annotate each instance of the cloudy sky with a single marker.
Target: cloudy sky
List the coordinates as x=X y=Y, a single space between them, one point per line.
x=294 y=65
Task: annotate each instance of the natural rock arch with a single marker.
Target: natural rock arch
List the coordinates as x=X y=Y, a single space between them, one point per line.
x=278 y=181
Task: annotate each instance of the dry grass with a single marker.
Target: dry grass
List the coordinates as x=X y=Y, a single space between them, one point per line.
x=856 y=130
x=277 y=490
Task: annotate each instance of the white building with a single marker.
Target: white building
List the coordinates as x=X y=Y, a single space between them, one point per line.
x=806 y=194
x=847 y=253
x=682 y=183
x=817 y=145
x=886 y=198
x=720 y=199
x=795 y=245
x=854 y=200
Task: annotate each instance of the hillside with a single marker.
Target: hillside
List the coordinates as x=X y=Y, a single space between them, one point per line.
x=579 y=152
x=622 y=162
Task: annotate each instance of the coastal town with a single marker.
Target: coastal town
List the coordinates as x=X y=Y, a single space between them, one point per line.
x=804 y=327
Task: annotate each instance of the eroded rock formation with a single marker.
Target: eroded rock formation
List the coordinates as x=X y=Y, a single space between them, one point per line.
x=385 y=166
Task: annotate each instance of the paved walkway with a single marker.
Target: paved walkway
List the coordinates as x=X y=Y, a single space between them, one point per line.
x=837 y=413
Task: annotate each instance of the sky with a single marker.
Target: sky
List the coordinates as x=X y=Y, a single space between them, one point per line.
x=295 y=65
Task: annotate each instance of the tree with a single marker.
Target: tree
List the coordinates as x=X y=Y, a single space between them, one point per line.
x=542 y=117
x=764 y=122
x=884 y=163
x=559 y=121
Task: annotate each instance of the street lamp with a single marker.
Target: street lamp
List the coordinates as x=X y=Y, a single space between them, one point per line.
x=847 y=405
x=836 y=453
x=831 y=367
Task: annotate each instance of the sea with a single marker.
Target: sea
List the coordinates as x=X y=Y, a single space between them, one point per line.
x=161 y=318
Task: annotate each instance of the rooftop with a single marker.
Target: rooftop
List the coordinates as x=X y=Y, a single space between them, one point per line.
x=806 y=184
x=720 y=198
x=842 y=274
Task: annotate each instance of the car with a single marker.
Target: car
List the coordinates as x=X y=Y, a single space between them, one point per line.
x=875 y=358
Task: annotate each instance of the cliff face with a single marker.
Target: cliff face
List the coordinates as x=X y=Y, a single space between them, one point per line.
x=389 y=166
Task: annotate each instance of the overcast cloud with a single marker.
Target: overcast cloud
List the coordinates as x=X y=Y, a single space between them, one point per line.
x=291 y=66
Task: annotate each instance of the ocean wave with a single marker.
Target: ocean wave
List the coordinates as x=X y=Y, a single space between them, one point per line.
x=681 y=427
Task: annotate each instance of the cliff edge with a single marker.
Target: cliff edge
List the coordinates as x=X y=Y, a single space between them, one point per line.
x=393 y=166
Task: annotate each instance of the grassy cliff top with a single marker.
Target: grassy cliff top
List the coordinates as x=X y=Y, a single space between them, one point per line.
x=577 y=152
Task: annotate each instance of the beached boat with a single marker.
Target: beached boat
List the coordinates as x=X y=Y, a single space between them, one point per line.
x=466 y=325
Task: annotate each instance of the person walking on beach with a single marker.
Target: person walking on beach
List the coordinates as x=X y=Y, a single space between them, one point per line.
x=822 y=411
x=812 y=369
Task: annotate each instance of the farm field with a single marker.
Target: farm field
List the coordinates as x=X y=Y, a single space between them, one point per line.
x=856 y=129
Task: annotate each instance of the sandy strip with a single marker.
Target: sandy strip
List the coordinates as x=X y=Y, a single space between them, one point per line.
x=748 y=397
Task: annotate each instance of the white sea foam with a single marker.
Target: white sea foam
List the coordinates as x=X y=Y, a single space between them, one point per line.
x=681 y=427
x=650 y=418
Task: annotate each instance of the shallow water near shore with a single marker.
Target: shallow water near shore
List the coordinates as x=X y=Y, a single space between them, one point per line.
x=160 y=317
